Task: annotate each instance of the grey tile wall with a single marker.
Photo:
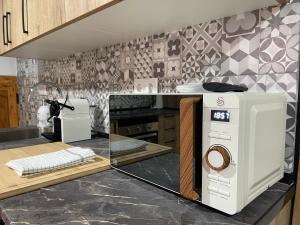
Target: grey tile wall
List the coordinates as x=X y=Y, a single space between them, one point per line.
x=259 y=49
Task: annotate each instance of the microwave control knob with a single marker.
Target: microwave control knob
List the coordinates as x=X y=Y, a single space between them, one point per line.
x=217 y=158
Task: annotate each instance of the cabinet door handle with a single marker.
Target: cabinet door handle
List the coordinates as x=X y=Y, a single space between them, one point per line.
x=25 y=17
x=4 y=19
x=8 y=27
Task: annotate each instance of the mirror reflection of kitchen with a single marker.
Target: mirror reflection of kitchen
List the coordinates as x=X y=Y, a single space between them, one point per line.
x=144 y=138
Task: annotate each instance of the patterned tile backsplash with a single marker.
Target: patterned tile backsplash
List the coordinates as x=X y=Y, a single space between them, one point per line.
x=259 y=49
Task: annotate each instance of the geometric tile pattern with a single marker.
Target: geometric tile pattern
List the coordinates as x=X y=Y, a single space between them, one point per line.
x=240 y=54
x=210 y=64
x=279 y=20
x=102 y=75
x=290 y=136
x=169 y=85
x=270 y=22
x=290 y=18
x=279 y=54
x=258 y=49
x=191 y=67
x=283 y=83
x=279 y=48
x=167 y=55
x=291 y=117
x=143 y=64
x=289 y=152
x=202 y=38
x=88 y=62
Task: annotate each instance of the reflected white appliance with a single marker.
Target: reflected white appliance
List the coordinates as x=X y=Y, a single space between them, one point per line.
x=191 y=88
x=243 y=144
x=75 y=124
x=43 y=114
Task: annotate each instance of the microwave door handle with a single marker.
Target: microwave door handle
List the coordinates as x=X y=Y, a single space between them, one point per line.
x=190 y=150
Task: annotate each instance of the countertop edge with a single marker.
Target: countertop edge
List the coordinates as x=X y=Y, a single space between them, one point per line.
x=277 y=207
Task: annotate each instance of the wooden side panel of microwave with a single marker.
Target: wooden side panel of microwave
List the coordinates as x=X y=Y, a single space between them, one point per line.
x=190 y=147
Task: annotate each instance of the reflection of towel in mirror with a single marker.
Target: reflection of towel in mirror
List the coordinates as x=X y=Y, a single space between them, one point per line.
x=127 y=146
x=52 y=161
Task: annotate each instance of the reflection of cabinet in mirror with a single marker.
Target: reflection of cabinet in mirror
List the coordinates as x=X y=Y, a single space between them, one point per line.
x=168 y=134
x=158 y=127
x=113 y=127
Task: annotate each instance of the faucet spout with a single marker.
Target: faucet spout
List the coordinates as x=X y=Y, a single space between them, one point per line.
x=45 y=83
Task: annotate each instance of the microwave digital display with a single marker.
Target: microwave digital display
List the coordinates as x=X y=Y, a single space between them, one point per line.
x=220 y=115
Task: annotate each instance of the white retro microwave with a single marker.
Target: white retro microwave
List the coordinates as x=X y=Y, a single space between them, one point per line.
x=220 y=149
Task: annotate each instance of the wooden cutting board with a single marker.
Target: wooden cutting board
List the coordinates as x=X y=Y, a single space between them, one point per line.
x=11 y=184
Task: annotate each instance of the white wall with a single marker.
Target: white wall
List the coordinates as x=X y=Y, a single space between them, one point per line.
x=8 y=66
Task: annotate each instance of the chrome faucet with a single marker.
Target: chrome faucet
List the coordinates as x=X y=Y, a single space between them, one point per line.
x=47 y=84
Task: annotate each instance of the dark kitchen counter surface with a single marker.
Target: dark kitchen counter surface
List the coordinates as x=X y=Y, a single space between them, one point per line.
x=112 y=197
x=124 y=114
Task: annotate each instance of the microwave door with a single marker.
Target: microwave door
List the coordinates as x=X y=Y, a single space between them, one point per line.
x=169 y=154
x=146 y=143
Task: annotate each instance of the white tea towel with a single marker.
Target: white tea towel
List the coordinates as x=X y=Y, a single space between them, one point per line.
x=51 y=161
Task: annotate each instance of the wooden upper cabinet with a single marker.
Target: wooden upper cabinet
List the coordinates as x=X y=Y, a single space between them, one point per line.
x=5 y=28
x=25 y=20
x=1 y=26
x=44 y=16
x=76 y=8
x=100 y=3
x=18 y=36
x=11 y=24
x=12 y=28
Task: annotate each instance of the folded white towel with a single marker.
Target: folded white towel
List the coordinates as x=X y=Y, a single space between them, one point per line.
x=51 y=161
x=127 y=146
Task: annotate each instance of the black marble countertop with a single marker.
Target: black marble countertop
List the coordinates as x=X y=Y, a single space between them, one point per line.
x=125 y=114
x=112 y=197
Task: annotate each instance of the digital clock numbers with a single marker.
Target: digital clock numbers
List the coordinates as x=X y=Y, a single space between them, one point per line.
x=218 y=115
